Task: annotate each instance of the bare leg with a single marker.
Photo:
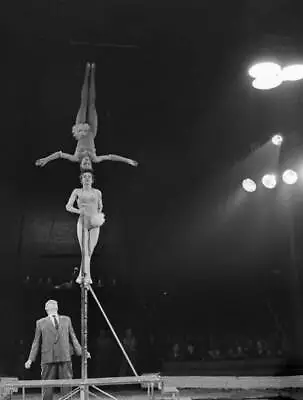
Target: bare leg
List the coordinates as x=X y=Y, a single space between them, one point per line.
x=81 y=116
x=93 y=239
x=92 y=113
x=85 y=265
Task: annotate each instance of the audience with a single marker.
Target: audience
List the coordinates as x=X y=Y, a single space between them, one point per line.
x=155 y=348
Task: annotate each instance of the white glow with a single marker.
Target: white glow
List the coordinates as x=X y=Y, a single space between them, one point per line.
x=290 y=177
x=264 y=69
x=249 y=185
x=269 y=181
x=292 y=72
x=267 y=82
x=277 y=140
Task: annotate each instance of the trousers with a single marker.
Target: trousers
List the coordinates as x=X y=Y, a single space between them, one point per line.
x=55 y=370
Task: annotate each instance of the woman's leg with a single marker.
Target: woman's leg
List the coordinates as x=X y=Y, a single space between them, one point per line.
x=93 y=239
x=81 y=116
x=85 y=262
x=91 y=236
x=92 y=113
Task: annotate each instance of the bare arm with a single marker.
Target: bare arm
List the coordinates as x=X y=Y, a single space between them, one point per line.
x=69 y=157
x=58 y=154
x=100 y=204
x=70 y=204
x=114 y=157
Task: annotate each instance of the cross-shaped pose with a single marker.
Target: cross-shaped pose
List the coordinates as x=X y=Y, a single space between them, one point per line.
x=85 y=130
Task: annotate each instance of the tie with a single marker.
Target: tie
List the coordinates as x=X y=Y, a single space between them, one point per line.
x=56 y=322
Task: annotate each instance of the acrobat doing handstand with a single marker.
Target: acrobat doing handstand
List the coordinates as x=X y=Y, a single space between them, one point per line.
x=85 y=130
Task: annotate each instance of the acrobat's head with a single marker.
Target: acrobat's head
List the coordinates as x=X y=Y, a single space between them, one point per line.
x=80 y=130
x=86 y=163
x=87 y=177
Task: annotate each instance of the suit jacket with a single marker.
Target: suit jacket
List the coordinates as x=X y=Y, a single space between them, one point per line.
x=56 y=345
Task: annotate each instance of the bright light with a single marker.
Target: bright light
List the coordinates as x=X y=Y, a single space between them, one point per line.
x=277 y=140
x=290 y=177
x=267 y=82
x=292 y=72
x=249 y=185
x=269 y=181
x=265 y=69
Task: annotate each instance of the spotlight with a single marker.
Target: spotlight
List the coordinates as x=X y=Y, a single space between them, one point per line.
x=277 y=140
x=290 y=177
x=264 y=69
x=267 y=82
x=269 y=181
x=292 y=72
x=249 y=185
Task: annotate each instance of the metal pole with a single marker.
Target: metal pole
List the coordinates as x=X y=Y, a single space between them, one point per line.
x=84 y=390
x=113 y=332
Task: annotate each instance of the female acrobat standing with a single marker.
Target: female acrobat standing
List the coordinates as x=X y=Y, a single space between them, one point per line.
x=85 y=130
x=89 y=201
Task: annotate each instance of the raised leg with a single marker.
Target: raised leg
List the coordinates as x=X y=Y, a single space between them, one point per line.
x=81 y=116
x=92 y=113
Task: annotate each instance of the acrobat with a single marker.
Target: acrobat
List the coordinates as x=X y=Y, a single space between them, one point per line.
x=89 y=201
x=85 y=130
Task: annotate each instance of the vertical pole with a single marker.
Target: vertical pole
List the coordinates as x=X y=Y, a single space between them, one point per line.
x=84 y=390
x=297 y=355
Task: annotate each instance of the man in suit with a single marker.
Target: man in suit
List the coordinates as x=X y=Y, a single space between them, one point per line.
x=58 y=343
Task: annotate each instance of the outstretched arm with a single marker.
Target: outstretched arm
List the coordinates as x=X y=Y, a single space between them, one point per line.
x=114 y=157
x=58 y=154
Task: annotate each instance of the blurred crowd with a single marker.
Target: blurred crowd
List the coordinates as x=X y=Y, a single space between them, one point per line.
x=148 y=354
x=228 y=348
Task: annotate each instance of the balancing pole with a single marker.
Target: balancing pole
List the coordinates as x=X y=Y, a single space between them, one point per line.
x=84 y=391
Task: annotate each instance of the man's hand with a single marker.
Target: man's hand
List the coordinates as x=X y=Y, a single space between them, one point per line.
x=88 y=354
x=28 y=364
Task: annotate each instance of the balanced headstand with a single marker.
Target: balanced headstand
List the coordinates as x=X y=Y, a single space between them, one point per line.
x=85 y=130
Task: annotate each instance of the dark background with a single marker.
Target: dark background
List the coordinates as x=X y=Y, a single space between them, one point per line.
x=181 y=246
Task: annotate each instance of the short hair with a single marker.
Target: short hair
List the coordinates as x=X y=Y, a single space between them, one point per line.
x=87 y=171
x=51 y=302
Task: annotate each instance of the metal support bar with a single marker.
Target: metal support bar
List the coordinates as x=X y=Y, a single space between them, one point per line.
x=84 y=392
x=105 y=393
x=70 y=394
x=113 y=332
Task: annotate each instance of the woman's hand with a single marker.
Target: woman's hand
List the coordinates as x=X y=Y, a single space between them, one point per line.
x=133 y=163
x=41 y=162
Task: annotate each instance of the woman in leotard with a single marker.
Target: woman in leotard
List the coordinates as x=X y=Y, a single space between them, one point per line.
x=89 y=202
x=85 y=130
